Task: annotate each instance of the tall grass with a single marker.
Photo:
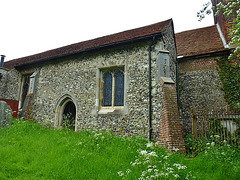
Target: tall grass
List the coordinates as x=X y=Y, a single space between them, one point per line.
x=30 y=151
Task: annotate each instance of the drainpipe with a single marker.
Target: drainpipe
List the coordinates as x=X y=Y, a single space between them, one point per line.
x=177 y=84
x=150 y=89
x=2 y=60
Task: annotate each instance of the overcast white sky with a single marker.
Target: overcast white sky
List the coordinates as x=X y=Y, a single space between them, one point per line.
x=31 y=26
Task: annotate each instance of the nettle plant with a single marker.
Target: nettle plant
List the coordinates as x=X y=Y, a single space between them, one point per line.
x=67 y=121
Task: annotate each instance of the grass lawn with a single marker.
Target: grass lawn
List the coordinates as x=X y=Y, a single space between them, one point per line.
x=31 y=151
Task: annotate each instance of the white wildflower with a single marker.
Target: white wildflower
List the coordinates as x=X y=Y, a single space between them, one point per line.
x=137 y=162
x=120 y=173
x=212 y=143
x=183 y=167
x=156 y=175
x=169 y=169
x=153 y=154
x=176 y=176
x=149 y=170
x=179 y=166
x=143 y=152
x=175 y=149
x=144 y=173
x=152 y=177
x=150 y=144
x=80 y=143
x=165 y=157
x=128 y=171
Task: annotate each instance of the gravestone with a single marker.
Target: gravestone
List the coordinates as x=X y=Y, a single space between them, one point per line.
x=5 y=114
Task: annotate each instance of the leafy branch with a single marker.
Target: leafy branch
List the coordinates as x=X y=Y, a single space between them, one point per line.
x=230 y=8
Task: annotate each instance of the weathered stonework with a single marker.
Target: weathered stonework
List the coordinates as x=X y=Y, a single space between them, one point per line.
x=73 y=79
x=199 y=88
x=9 y=84
x=5 y=114
x=76 y=76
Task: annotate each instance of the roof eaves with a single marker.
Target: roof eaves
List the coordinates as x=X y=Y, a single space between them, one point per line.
x=138 y=39
x=203 y=55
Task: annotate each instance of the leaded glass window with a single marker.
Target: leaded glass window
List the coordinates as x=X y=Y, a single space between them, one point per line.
x=113 y=87
x=119 y=89
x=107 y=89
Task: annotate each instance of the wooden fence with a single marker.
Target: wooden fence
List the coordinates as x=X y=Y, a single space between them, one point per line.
x=220 y=124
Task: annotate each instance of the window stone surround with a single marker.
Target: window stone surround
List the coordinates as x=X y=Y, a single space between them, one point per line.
x=121 y=110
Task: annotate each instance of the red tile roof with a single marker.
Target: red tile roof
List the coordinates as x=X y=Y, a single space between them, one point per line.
x=198 y=41
x=91 y=44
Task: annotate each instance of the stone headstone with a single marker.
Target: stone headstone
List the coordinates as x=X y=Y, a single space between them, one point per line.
x=5 y=114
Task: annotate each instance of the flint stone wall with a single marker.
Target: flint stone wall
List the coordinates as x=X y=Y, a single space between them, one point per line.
x=9 y=84
x=76 y=76
x=199 y=88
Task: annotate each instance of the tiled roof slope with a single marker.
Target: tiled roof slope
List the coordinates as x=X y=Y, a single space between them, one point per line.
x=91 y=44
x=198 y=41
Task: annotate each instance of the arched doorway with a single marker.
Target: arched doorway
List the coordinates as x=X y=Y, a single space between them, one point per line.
x=69 y=115
x=66 y=112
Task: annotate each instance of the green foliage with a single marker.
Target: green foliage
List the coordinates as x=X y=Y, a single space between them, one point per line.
x=230 y=9
x=29 y=150
x=216 y=133
x=156 y=163
x=218 y=159
x=195 y=146
x=218 y=162
x=205 y=11
x=222 y=135
x=68 y=121
x=229 y=72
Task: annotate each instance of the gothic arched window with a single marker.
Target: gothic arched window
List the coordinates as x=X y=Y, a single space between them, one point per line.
x=113 y=87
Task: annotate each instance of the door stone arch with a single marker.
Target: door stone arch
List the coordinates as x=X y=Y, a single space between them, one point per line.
x=66 y=112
